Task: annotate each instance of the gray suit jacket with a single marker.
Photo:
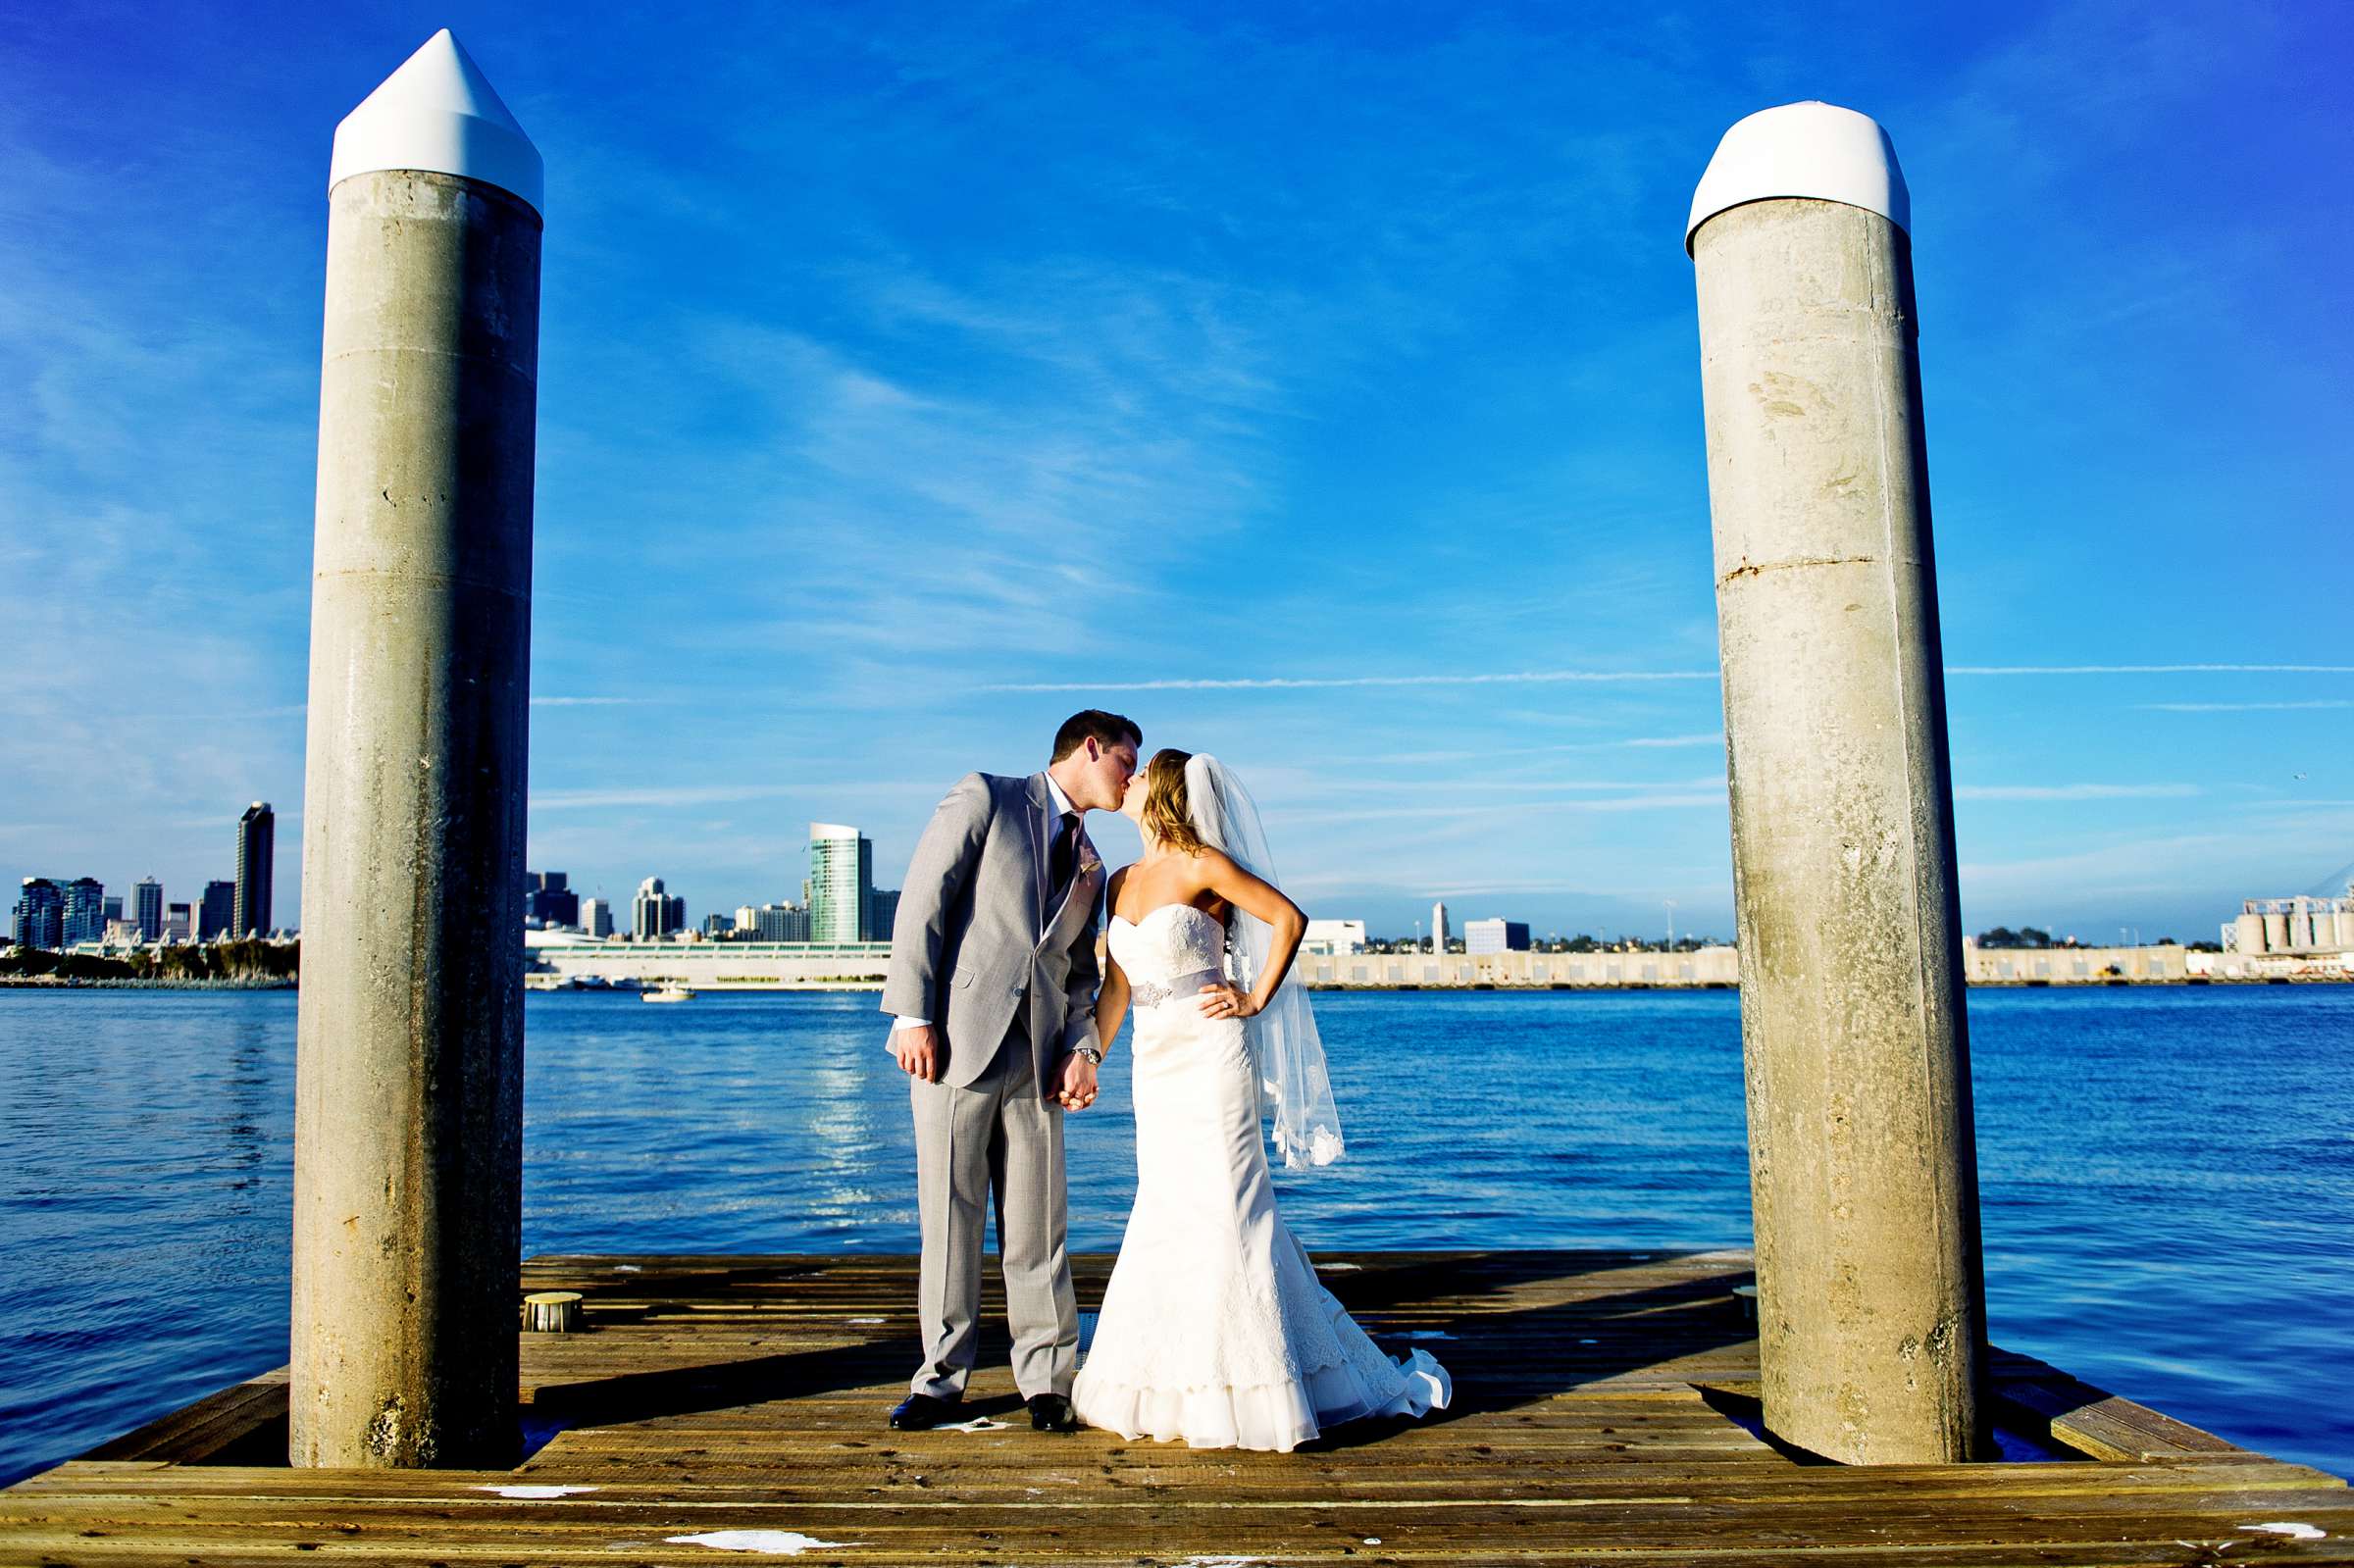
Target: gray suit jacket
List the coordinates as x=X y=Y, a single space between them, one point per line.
x=975 y=946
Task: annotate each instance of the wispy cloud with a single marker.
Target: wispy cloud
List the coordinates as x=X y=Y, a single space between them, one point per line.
x=2075 y=792
x=1331 y=682
x=1613 y=677
x=1664 y=800
x=680 y=796
x=2241 y=707
x=2149 y=669
x=1490 y=753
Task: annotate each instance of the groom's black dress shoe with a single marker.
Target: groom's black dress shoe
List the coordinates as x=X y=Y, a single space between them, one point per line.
x=1052 y=1412
x=921 y=1412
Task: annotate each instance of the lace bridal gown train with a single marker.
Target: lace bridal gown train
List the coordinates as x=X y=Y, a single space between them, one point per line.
x=1214 y=1328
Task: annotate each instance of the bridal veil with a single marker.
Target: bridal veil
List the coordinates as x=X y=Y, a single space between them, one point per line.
x=1284 y=1042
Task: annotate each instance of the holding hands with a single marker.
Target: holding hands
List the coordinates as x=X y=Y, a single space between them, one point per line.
x=1078 y=1091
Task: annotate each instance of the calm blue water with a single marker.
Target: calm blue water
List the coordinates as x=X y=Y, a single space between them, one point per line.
x=2168 y=1175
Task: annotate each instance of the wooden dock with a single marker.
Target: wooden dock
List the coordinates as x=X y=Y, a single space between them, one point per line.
x=1605 y=1412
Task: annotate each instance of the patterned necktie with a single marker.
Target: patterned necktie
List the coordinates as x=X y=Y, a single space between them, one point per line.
x=1067 y=855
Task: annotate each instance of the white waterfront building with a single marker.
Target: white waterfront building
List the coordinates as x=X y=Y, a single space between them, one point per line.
x=1334 y=936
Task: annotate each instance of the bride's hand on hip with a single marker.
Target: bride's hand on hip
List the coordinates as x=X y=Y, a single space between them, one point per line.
x=1224 y=1000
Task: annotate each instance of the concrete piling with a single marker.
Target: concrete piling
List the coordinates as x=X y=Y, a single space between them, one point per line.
x=1862 y=1159
x=409 y=1073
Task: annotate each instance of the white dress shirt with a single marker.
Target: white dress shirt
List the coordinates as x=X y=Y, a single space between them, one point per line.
x=1062 y=808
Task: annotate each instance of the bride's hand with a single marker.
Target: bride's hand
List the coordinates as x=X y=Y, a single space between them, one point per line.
x=1224 y=1000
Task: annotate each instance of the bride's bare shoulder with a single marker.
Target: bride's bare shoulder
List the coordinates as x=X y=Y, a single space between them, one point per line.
x=1209 y=865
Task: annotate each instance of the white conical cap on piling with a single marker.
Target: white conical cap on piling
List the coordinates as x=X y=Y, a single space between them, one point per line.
x=438 y=112
x=1811 y=149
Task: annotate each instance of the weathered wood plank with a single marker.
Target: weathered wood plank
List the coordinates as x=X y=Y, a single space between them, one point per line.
x=748 y=1392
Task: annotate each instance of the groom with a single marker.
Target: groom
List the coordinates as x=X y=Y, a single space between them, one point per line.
x=992 y=991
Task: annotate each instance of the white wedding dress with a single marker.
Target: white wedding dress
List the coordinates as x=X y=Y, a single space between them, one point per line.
x=1214 y=1328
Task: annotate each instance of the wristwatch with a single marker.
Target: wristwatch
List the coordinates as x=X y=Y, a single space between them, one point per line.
x=1092 y=1056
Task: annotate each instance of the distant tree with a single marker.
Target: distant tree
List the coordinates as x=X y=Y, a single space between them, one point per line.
x=29 y=962
x=2024 y=936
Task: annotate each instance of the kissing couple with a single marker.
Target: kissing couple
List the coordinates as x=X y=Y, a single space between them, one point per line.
x=1213 y=1326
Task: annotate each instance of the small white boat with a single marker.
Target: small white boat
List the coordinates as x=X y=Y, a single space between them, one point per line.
x=670 y=991
x=549 y=982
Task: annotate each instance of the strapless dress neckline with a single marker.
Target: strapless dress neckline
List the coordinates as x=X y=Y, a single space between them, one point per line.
x=1139 y=925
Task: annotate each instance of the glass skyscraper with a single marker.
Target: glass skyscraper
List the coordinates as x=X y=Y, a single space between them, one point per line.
x=41 y=915
x=257 y=842
x=148 y=908
x=84 y=919
x=841 y=882
x=217 y=916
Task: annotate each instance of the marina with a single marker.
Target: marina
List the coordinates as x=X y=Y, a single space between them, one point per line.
x=1606 y=1410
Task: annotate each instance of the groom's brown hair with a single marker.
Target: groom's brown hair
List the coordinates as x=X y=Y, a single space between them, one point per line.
x=1094 y=723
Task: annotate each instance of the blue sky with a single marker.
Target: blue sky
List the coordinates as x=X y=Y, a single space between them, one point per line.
x=1317 y=384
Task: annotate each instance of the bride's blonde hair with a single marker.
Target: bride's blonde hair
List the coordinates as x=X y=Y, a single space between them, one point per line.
x=1167 y=814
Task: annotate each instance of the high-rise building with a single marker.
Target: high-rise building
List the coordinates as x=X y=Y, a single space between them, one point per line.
x=716 y=924
x=549 y=900
x=148 y=908
x=180 y=923
x=597 y=916
x=84 y=916
x=1438 y=928
x=882 y=913
x=216 y=915
x=841 y=882
x=257 y=846
x=656 y=913
x=40 y=914
x=1496 y=936
x=775 y=923
x=114 y=906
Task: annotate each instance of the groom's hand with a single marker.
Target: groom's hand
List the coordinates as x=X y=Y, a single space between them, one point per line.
x=917 y=1048
x=1078 y=1089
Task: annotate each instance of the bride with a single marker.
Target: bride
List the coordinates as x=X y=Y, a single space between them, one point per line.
x=1214 y=1328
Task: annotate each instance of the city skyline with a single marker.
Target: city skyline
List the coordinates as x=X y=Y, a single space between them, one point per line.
x=1005 y=366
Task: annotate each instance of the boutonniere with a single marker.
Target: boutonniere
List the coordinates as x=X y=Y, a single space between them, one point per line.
x=1089 y=862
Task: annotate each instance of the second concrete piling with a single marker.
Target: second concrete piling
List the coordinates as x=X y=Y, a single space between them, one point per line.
x=1864 y=1169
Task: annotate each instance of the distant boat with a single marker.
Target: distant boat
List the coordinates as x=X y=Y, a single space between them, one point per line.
x=550 y=982
x=670 y=991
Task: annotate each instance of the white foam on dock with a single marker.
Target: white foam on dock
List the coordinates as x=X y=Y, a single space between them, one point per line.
x=976 y=1424
x=2291 y=1529
x=536 y=1493
x=769 y=1542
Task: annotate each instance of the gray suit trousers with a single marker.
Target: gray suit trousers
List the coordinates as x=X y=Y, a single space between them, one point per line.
x=997 y=1134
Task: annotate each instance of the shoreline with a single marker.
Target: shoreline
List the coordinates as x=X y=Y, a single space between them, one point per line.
x=1477 y=988
x=120 y=983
